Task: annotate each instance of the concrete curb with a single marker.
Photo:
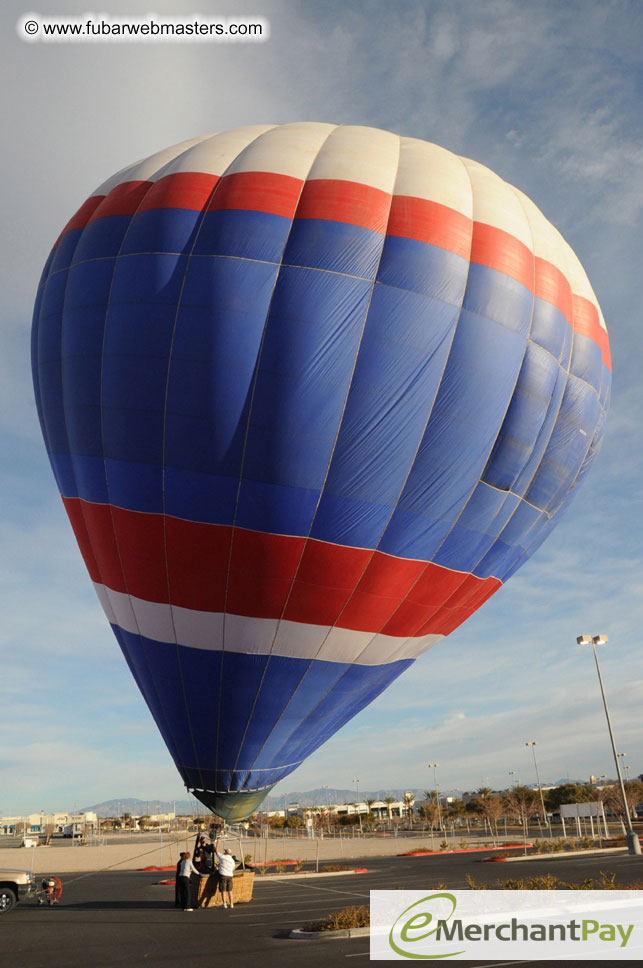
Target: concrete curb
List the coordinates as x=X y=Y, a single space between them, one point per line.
x=299 y=935
x=561 y=854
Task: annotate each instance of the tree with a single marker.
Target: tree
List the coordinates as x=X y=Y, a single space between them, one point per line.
x=429 y=811
x=456 y=809
x=521 y=803
x=492 y=809
x=293 y=820
x=484 y=792
x=569 y=793
x=388 y=801
x=613 y=799
x=348 y=819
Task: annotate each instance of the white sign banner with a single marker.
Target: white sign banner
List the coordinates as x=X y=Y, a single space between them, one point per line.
x=591 y=809
x=506 y=925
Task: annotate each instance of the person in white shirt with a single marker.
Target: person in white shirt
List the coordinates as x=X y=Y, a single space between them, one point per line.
x=184 y=869
x=226 y=874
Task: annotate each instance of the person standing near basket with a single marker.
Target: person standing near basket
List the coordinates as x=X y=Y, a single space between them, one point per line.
x=226 y=874
x=185 y=867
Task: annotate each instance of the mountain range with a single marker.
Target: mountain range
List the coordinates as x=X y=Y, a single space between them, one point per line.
x=117 y=806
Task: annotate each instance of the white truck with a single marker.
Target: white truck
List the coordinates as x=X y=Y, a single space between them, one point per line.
x=15 y=885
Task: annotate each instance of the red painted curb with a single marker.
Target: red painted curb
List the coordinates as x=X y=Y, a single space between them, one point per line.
x=361 y=870
x=172 y=867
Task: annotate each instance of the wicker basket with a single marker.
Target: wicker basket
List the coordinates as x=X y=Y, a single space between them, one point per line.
x=206 y=893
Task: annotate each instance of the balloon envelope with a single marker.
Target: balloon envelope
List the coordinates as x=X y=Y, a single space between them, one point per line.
x=311 y=394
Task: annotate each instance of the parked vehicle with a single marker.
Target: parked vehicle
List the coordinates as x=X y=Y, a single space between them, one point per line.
x=14 y=886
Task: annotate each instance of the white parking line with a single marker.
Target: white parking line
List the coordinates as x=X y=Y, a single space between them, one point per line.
x=331 y=890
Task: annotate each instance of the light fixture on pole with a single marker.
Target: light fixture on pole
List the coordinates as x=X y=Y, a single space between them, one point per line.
x=534 y=744
x=633 y=843
x=512 y=773
x=434 y=766
x=626 y=766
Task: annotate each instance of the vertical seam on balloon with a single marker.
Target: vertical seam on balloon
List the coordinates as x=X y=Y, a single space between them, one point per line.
x=552 y=514
x=523 y=556
x=243 y=454
x=199 y=224
x=140 y=636
x=430 y=562
x=522 y=497
x=504 y=417
x=170 y=731
x=64 y=411
x=35 y=364
x=321 y=492
x=412 y=462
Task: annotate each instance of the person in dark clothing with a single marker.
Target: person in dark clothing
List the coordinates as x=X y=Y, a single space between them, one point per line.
x=207 y=858
x=177 y=899
x=185 y=868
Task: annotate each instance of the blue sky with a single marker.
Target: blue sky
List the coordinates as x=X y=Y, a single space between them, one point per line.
x=545 y=93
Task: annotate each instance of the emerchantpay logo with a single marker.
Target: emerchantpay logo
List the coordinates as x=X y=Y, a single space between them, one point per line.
x=472 y=925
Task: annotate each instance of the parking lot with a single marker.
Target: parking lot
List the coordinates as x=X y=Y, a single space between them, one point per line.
x=125 y=918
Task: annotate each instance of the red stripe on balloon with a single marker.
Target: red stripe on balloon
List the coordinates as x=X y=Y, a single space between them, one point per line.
x=587 y=323
x=399 y=216
x=258 y=191
x=124 y=199
x=499 y=250
x=553 y=287
x=82 y=216
x=335 y=200
x=209 y=567
x=430 y=222
x=184 y=189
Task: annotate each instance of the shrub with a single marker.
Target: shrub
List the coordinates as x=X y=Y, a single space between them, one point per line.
x=349 y=917
x=549 y=882
x=332 y=868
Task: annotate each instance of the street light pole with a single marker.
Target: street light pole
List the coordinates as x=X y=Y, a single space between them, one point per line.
x=325 y=787
x=633 y=844
x=434 y=766
x=359 y=812
x=534 y=744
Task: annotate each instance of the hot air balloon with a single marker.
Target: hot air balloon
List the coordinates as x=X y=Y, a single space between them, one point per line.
x=311 y=394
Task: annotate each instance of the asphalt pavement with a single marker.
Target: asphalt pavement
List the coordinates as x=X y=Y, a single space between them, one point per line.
x=125 y=918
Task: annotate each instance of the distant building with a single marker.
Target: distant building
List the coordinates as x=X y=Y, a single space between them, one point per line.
x=65 y=824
